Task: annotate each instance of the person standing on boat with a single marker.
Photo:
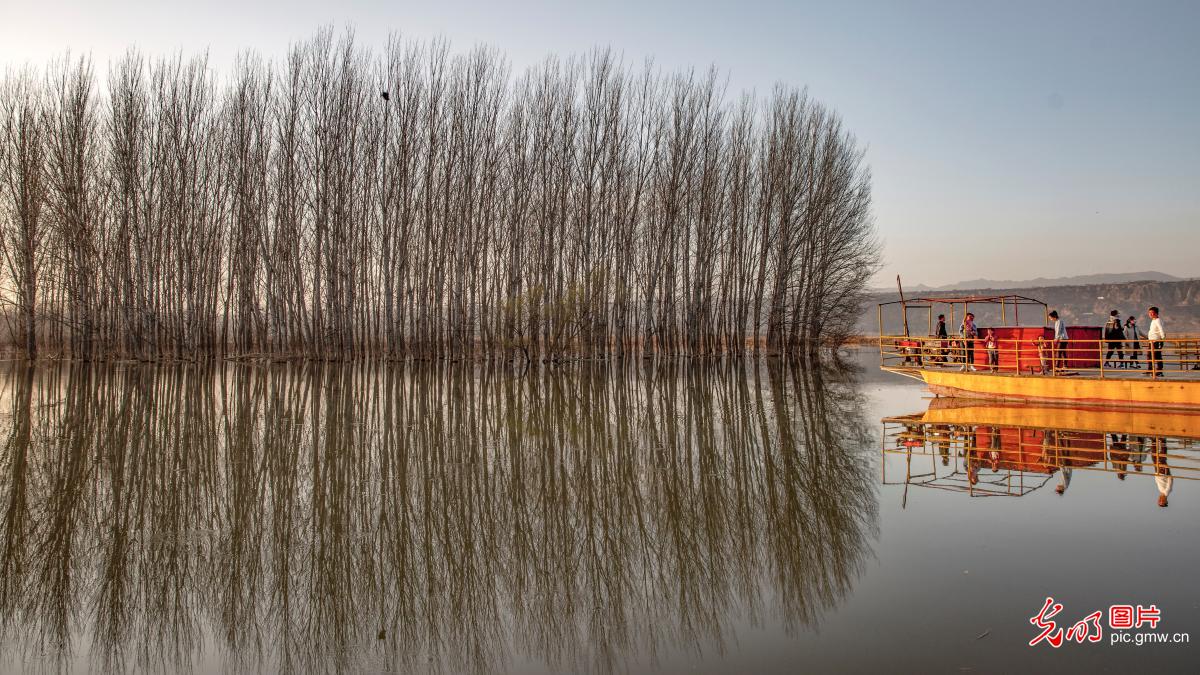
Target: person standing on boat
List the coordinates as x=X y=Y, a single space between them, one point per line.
x=941 y=334
x=969 y=334
x=993 y=352
x=1134 y=339
x=1058 y=353
x=1155 y=335
x=1115 y=336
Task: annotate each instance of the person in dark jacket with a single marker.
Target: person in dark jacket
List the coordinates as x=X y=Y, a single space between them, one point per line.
x=942 y=336
x=969 y=334
x=1114 y=335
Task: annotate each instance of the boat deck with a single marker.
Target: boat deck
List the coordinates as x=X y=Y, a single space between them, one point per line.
x=1026 y=352
x=1190 y=373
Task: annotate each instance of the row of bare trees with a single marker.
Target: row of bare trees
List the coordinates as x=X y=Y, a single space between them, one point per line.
x=580 y=208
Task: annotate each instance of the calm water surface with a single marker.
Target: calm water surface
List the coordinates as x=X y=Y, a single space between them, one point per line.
x=674 y=519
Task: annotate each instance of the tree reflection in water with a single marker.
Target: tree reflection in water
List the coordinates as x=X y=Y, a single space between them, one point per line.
x=433 y=517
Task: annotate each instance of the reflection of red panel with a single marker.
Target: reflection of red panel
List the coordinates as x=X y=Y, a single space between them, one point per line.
x=1081 y=449
x=983 y=437
x=1017 y=449
x=1029 y=450
x=1017 y=345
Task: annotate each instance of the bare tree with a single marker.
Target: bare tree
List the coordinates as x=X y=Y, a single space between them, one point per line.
x=74 y=171
x=23 y=198
x=579 y=209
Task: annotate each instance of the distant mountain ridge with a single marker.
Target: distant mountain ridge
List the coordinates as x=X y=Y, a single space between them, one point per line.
x=1045 y=282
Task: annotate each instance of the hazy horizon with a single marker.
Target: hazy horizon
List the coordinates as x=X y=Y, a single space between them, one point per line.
x=1005 y=142
x=879 y=283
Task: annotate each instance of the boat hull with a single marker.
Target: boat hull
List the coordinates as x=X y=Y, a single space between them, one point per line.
x=1109 y=392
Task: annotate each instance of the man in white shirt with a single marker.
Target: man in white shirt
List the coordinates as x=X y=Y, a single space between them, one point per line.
x=1059 y=348
x=1155 y=335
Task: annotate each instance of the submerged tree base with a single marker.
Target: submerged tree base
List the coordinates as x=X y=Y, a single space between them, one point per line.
x=632 y=351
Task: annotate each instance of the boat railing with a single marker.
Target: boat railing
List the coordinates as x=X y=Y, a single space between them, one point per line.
x=1174 y=358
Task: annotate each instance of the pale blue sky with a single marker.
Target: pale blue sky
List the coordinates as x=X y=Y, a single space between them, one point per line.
x=1008 y=140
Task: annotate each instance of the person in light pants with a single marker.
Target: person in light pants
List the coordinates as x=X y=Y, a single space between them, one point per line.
x=1135 y=344
x=1058 y=353
x=1156 y=335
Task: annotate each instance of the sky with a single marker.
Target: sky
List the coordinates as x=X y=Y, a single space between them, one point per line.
x=1006 y=140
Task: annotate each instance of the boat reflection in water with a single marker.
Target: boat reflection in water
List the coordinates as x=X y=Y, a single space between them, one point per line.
x=422 y=517
x=989 y=449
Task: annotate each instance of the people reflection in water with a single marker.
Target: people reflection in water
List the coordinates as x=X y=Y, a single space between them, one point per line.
x=422 y=517
x=1064 y=480
x=1162 y=472
x=1118 y=454
x=994 y=445
x=941 y=433
x=1052 y=453
x=1137 y=452
x=997 y=457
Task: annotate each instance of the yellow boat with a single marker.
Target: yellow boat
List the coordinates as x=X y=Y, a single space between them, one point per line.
x=1024 y=363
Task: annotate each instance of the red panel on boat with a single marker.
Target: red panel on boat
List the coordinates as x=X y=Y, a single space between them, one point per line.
x=1018 y=348
x=1086 y=343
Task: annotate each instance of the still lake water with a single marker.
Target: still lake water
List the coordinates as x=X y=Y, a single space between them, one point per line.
x=675 y=519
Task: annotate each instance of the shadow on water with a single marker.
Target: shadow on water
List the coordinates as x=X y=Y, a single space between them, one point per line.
x=434 y=518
